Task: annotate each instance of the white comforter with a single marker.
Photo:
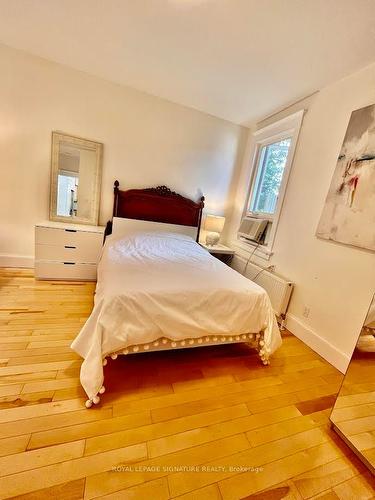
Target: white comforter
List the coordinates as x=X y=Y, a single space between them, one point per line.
x=153 y=285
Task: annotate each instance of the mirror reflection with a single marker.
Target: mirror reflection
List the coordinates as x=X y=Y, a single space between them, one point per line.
x=353 y=416
x=75 y=179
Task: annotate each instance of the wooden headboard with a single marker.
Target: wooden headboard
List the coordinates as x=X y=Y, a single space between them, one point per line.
x=158 y=204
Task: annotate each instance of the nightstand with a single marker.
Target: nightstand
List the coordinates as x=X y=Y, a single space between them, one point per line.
x=221 y=252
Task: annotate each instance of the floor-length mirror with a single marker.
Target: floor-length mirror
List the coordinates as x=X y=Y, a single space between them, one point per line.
x=353 y=416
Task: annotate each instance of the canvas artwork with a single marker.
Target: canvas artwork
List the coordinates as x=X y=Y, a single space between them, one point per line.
x=349 y=212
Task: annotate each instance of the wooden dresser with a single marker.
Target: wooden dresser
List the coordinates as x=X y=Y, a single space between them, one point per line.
x=65 y=251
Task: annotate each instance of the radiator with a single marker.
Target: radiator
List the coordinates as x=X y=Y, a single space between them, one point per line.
x=279 y=289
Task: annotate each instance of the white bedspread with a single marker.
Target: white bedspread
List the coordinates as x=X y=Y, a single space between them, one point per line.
x=153 y=285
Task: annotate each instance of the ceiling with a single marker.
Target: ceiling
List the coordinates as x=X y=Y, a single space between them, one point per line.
x=236 y=59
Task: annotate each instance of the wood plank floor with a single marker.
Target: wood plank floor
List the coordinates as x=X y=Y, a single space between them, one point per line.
x=204 y=423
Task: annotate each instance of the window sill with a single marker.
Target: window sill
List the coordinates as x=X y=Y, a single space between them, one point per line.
x=248 y=247
x=257 y=215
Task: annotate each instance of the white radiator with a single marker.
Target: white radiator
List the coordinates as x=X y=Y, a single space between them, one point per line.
x=279 y=289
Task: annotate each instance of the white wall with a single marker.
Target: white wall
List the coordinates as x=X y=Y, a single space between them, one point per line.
x=147 y=141
x=335 y=281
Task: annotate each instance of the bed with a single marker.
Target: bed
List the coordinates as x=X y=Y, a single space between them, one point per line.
x=159 y=289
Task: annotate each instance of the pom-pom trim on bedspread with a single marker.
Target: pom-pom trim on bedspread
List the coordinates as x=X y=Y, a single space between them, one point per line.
x=167 y=344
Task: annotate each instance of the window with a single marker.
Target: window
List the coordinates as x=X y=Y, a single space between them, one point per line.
x=272 y=155
x=270 y=171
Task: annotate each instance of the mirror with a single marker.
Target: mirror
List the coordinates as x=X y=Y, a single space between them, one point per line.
x=353 y=416
x=75 y=179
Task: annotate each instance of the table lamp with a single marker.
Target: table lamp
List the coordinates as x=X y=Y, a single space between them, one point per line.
x=213 y=224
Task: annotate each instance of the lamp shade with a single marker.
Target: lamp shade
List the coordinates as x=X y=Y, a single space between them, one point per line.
x=214 y=223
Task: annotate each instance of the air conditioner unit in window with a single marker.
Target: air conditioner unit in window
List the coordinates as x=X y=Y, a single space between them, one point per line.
x=253 y=229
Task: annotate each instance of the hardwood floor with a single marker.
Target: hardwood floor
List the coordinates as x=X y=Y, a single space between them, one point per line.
x=205 y=423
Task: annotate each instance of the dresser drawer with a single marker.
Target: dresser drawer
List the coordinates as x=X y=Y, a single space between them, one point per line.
x=70 y=237
x=84 y=253
x=61 y=271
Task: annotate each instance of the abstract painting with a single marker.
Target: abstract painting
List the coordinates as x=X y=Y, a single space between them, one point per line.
x=349 y=212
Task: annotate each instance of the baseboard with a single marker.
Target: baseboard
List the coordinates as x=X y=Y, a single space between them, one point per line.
x=16 y=261
x=329 y=352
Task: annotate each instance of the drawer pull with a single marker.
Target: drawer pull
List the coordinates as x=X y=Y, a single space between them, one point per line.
x=67 y=246
x=69 y=263
x=70 y=230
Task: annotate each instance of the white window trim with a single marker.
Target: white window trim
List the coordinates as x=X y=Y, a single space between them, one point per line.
x=282 y=129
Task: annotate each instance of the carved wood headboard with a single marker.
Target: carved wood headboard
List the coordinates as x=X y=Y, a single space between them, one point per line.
x=158 y=204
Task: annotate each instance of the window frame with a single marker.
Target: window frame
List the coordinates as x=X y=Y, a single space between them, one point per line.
x=258 y=165
x=285 y=128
